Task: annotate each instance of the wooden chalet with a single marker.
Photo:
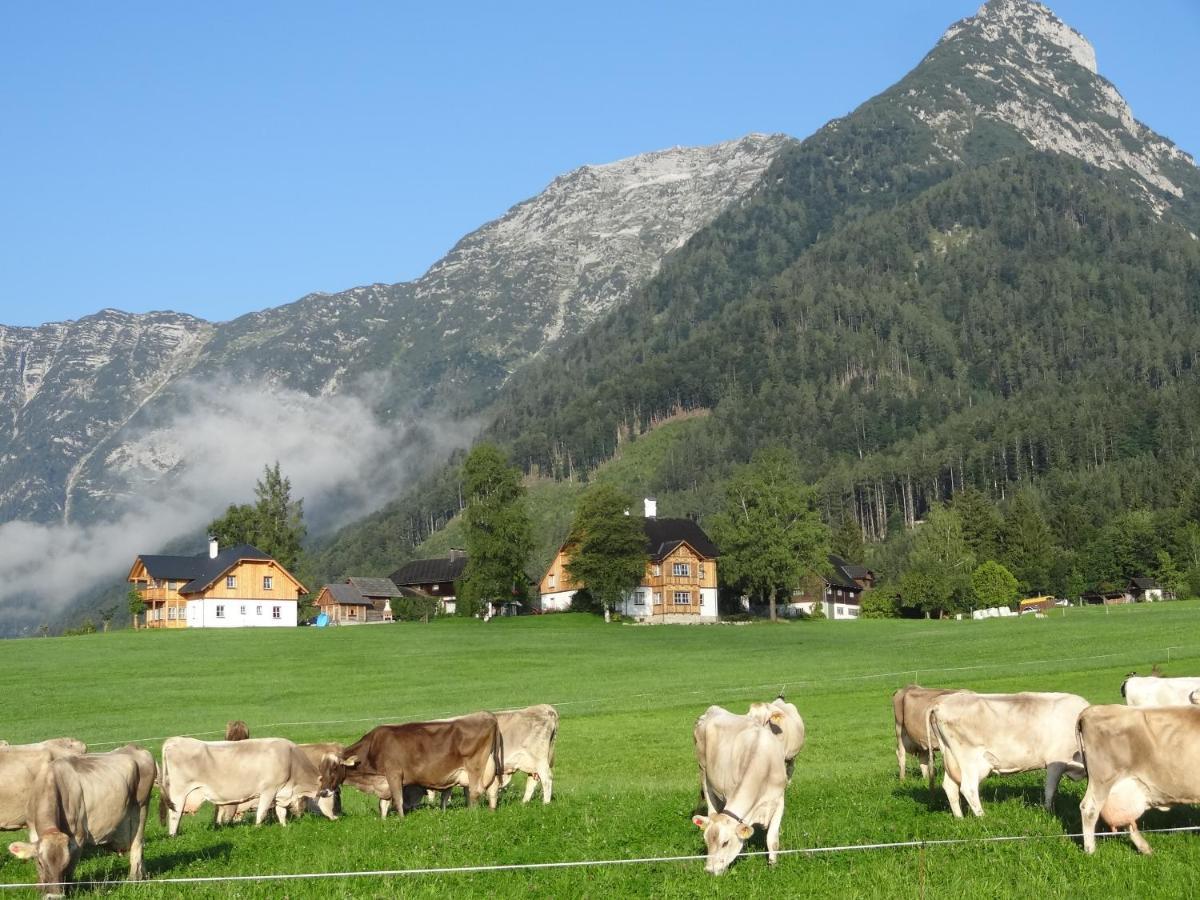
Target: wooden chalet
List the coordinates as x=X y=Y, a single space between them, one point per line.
x=433 y=578
x=838 y=591
x=239 y=587
x=358 y=600
x=680 y=584
x=1147 y=590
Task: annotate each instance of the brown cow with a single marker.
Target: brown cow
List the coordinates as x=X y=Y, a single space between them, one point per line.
x=87 y=801
x=20 y=765
x=237 y=730
x=466 y=751
x=910 y=707
x=1137 y=758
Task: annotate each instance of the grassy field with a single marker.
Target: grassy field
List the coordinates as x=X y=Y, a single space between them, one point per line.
x=625 y=778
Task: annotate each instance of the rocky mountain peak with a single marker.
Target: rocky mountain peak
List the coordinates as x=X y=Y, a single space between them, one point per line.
x=1017 y=65
x=1031 y=26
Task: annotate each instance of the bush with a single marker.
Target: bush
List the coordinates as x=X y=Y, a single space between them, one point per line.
x=411 y=609
x=879 y=604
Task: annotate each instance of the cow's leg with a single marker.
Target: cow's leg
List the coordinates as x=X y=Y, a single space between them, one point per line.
x=493 y=792
x=773 y=834
x=265 y=803
x=531 y=783
x=1054 y=774
x=1138 y=840
x=1089 y=813
x=281 y=813
x=174 y=814
x=971 y=778
x=545 y=777
x=136 y=870
x=395 y=782
x=952 y=795
x=384 y=803
x=900 y=748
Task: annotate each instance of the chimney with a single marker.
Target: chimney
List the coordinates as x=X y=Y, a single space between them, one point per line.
x=212 y=546
x=651 y=508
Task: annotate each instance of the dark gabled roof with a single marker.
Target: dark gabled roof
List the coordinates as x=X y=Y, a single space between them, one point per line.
x=201 y=570
x=374 y=587
x=844 y=574
x=212 y=568
x=664 y=535
x=1145 y=584
x=346 y=595
x=429 y=571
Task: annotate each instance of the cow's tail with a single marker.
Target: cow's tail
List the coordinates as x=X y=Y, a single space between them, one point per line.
x=1125 y=682
x=1079 y=740
x=498 y=754
x=163 y=789
x=930 y=728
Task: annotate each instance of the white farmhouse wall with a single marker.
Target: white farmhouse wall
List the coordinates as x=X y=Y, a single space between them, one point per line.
x=241 y=613
x=557 y=601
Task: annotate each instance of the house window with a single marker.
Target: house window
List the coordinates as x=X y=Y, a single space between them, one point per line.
x=220 y=611
x=230 y=582
x=657 y=599
x=171 y=614
x=258 y=610
x=552 y=579
x=268 y=582
x=353 y=612
x=700 y=569
x=276 y=612
x=683 y=598
x=681 y=569
x=242 y=611
x=656 y=570
x=639 y=598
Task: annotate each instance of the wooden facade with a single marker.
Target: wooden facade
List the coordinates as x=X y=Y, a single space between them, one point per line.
x=254 y=580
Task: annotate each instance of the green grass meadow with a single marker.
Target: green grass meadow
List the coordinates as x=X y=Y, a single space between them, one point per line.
x=625 y=775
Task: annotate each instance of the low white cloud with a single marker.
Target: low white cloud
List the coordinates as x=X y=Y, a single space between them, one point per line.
x=183 y=471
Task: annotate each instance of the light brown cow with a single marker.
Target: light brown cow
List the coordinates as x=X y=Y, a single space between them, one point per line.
x=1004 y=733
x=1137 y=758
x=910 y=708
x=86 y=801
x=20 y=765
x=272 y=771
x=742 y=777
x=1150 y=690
x=785 y=723
x=529 y=735
x=467 y=751
x=237 y=730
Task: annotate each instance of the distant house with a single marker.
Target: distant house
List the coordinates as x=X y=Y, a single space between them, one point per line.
x=680 y=584
x=239 y=587
x=838 y=591
x=358 y=600
x=433 y=578
x=1147 y=590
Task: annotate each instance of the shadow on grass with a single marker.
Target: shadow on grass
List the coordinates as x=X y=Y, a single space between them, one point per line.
x=161 y=864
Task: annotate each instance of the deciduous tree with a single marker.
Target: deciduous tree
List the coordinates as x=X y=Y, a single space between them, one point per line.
x=498 y=533
x=609 y=545
x=768 y=529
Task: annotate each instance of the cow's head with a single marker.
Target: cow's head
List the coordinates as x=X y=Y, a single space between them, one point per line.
x=724 y=836
x=56 y=855
x=333 y=772
x=767 y=714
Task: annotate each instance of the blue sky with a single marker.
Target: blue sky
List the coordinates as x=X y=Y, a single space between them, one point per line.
x=218 y=158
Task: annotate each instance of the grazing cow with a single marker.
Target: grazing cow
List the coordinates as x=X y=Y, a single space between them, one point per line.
x=1004 y=733
x=742 y=777
x=86 y=801
x=784 y=721
x=272 y=771
x=1150 y=690
x=910 y=707
x=237 y=730
x=529 y=735
x=20 y=765
x=467 y=751
x=1137 y=758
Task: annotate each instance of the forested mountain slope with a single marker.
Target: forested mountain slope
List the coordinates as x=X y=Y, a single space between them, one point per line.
x=939 y=290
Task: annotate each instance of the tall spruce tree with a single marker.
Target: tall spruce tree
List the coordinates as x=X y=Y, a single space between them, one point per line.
x=768 y=530
x=609 y=545
x=847 y=540
x=498 y=533
x=274 y=524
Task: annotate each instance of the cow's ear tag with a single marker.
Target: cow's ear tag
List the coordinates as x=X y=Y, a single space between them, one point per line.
x=698 y=821
x=22 y=850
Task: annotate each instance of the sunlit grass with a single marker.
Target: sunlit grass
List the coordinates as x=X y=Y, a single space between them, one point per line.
x=626 y=779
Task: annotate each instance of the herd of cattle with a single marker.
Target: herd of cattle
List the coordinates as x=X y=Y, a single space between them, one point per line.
x=71 y=799
x=1145 y=754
